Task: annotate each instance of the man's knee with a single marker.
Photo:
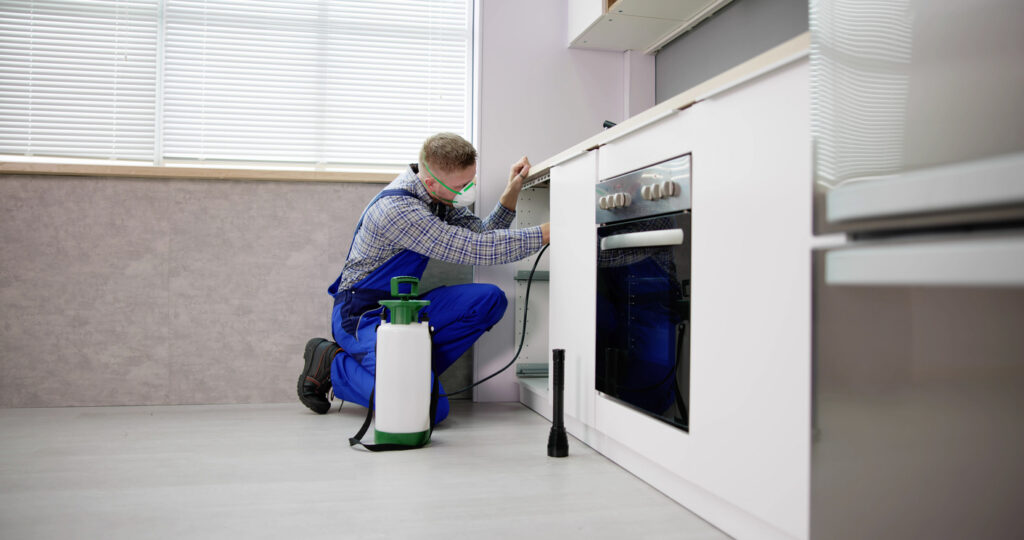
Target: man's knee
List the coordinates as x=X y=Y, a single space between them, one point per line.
x=490 y=305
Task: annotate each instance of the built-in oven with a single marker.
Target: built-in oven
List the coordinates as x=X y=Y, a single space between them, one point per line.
x=643 y=290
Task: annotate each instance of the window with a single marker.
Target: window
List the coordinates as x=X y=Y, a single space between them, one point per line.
x=331 y=83
x=78 y=79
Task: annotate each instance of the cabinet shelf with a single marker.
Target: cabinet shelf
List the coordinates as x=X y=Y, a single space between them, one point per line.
x=539 y=275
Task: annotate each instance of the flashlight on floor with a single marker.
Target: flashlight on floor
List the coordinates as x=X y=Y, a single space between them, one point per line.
x=558 y=443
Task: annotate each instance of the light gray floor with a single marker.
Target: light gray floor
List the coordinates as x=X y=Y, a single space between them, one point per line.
x=279 y=471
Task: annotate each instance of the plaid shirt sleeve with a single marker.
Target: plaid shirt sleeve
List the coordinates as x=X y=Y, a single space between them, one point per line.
x=500 y=218
x=407 y=223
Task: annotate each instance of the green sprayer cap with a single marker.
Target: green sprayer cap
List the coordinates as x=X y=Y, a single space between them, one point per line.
x=405 y=310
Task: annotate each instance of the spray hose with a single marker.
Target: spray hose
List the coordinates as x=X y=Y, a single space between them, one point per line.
x=522 y=339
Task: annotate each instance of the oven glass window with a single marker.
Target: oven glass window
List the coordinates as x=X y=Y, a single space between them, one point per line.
x=643 y=319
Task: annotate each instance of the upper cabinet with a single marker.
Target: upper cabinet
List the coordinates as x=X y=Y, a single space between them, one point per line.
x=637 y=25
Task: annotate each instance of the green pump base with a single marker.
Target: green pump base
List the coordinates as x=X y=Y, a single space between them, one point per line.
x=405 y=439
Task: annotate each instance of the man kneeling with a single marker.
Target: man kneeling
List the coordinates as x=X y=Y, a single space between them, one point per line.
x=419 y=216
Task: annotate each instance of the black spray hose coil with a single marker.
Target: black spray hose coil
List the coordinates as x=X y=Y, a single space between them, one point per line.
x=522 y=339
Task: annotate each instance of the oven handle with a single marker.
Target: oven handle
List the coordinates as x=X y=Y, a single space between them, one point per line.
x=670 y=237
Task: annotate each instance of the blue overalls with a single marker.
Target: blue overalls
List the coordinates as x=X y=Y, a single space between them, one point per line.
x=459 y=314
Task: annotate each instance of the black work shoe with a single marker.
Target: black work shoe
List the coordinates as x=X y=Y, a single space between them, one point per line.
x=315 y=379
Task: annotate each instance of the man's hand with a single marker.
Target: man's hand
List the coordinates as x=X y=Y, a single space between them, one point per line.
x=516 y=174
x=545 y=232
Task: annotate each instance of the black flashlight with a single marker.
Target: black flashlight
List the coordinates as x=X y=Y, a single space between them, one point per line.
x=558 y=443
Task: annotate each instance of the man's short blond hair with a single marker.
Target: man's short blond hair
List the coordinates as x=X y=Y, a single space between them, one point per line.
x=447 y=152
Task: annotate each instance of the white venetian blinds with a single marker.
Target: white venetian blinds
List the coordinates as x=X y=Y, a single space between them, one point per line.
x=78 y=78
x=398 y=71
x=243 y=80
x=325 y=82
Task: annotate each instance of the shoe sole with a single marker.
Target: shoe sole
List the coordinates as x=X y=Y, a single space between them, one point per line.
x=319 y=407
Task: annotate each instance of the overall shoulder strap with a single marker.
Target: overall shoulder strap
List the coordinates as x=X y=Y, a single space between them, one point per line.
x=333 y=289
x=381 y=195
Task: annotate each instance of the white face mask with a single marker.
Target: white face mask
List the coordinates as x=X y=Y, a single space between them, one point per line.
x=464 y=197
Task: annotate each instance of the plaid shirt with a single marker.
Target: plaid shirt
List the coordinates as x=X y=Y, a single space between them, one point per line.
x=441 y=232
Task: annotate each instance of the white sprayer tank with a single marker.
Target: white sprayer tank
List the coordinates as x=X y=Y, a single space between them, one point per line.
x=403 y=380
x=403 y=384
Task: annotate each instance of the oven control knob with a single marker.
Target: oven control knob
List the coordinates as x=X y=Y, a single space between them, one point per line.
x=619 y=200
x=627 y=199
x=655 y=192
x=645 y=192
x=603 y=203
x=669 y=189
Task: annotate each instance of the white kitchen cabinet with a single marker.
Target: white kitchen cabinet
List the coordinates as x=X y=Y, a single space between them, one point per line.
x=744 y=465
x=637 y=25
x=573 y=252
x=751 y=296
x=583 y=13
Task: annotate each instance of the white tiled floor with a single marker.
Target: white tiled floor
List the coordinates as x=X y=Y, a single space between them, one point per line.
x=279 y=471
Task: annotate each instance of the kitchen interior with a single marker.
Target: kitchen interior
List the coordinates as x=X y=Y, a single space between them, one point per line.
x=806 y=292
x=787 y=255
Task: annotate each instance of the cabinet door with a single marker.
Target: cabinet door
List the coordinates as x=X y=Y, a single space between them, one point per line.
x=751 y=296
x=573 y=280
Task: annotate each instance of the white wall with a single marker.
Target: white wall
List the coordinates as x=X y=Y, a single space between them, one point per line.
x=536 y=97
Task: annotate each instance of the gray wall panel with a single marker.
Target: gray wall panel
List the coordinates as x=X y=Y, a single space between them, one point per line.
x=125 y=292
x=736 y=33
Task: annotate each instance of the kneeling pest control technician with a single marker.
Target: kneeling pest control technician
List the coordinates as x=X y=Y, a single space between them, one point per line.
x=419 y=216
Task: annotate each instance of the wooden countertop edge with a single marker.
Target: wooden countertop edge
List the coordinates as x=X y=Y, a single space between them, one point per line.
x=790 y=50
x=192 y=173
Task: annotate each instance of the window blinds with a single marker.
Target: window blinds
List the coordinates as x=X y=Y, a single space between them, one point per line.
x=243 y=84
x=78 y=78
x=396 y=77
x=332 y=83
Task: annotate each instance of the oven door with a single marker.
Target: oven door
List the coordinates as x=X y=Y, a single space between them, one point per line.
x=643 y=315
